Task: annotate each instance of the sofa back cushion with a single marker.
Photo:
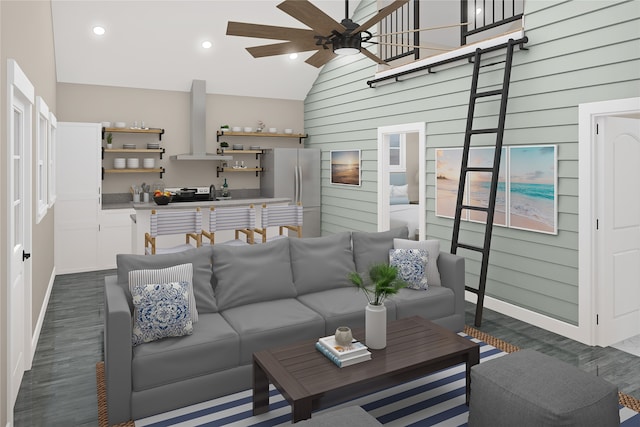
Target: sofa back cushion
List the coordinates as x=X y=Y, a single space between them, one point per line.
x=252 y=273
x=320 y=263
x=199 y=257
x=373 y=247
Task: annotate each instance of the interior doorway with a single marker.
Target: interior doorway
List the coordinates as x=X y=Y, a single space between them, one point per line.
x=18 y=169
x=401 y=178
x=609 y=229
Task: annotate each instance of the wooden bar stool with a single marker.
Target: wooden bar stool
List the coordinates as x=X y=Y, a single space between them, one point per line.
x=241 y=220
x=284 y=217
x=173 y=222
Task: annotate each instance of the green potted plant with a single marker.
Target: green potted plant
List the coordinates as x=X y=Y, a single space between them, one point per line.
x=384 y=282
x=109 y=140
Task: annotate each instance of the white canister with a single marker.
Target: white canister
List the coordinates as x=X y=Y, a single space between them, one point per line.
x=145 y=197
x=375 y=326
x=133 y=163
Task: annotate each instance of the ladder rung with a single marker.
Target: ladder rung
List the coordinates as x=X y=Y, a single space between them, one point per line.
x=488 y=93
x=488 y=130
x=476 y=208
x=479 y=169
x=470 y=247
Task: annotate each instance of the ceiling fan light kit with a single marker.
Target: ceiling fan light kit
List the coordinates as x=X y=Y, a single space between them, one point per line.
x=326 y=36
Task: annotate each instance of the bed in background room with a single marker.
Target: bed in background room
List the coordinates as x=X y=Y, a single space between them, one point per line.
x=402 y=212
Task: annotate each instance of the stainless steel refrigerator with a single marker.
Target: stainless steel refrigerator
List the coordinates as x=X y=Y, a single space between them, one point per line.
x=294 y=173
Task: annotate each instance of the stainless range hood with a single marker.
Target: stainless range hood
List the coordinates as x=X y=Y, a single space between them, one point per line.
x=198 y=126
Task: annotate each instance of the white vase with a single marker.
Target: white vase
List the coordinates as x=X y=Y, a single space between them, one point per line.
x=375 y=326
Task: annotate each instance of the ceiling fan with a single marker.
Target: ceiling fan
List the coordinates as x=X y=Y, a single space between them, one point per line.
x=326 y=35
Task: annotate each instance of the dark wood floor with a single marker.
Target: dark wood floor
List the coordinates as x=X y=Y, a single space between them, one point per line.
x=60 y=389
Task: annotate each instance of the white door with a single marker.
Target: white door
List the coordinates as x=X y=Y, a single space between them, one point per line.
x=618 y=235
x=19 y=228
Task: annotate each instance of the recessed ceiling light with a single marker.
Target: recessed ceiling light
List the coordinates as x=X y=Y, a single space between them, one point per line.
x=206 y=44
x=293 y=56
x=98 y=30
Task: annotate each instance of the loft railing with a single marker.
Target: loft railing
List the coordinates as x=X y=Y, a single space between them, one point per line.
x=398 y=38
x=493 y=13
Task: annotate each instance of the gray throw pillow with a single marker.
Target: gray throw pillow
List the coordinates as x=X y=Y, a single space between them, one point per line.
x=373 y=248
x=248 y=274
x=321 y=263
x=199 y=257
x=433 y=248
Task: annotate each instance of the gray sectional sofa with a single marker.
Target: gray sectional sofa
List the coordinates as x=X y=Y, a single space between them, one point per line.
x=249 y=298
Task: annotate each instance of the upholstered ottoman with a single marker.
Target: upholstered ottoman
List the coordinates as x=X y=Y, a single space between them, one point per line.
x=351 y=416
x=528 y=388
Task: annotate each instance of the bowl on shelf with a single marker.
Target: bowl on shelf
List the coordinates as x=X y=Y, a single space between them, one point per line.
x=248 y=129
x=288 y=131
x=237 y=129
x=273 y=130
x=148 y=163
x=120 y=125
x=119 y=163
x=238 y=147
x=254 y=147
x=162 y=200
x=106 y=124
x=133 y=163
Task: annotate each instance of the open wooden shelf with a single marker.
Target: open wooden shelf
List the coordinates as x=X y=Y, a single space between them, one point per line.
x=220 y=170
x=161 y=171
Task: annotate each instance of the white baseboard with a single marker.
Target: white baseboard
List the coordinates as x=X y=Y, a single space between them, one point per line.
x=536 y=319
x=40 y=322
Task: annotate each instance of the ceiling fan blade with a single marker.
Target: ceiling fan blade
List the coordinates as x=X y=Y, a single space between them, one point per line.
x=383 y=13
x=311 y=16
x=282 y=48
x=320 y=58
x=372 y=56
x=268 y=32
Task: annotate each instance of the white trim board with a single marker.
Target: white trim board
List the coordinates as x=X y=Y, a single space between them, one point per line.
x=43 y=311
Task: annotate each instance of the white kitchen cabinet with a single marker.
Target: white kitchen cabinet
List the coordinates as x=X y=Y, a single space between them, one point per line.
x=114 y=236
x=78 y=205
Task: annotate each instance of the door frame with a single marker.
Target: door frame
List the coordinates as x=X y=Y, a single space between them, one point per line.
x=383 y=172
x=17 y=81
x=588 y=114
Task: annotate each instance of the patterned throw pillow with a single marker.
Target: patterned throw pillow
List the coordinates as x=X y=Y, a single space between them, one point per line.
x=160 y=311
x=177 y=273
x=411 y=265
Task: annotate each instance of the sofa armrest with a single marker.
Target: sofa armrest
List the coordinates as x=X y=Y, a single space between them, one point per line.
x=452 y=275
x=117 y=351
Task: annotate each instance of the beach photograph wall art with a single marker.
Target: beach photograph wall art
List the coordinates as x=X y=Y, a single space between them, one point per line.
x=532 y=188
x=527 y=186
x=345 y=167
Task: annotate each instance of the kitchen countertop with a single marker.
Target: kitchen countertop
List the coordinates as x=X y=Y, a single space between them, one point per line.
x=257 y=201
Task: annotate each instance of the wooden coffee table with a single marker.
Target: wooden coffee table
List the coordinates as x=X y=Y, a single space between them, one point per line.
x=309 y=381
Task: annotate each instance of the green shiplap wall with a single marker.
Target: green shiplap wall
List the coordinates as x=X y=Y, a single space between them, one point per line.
x=579 y=51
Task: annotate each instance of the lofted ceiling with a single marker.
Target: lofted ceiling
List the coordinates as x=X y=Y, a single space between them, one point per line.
x=156 y=44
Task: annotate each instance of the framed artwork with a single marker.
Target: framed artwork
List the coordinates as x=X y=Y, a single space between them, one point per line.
x=345 y=167
x=527 y=186
x=533 y=199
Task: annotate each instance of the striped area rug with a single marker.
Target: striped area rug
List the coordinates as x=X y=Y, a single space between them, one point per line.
x=433 y=400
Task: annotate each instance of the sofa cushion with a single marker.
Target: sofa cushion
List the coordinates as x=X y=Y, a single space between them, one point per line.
x=247 y=274
x=431 y=246
x=160 y=311
x=271 y=324
x=412 y=266
x=214 y=346
x=342 y=307
x=373 y=248
x=177 y=273
x=320 y=263
x=199 y=257
x=434 y=303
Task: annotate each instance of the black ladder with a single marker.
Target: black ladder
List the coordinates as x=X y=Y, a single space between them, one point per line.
x=493 y=170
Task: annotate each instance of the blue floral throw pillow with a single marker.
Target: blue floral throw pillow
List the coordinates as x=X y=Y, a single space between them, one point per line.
x=411 y=265
x=160 y=311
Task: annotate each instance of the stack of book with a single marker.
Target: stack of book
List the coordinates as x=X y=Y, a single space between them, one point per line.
x=343 y=355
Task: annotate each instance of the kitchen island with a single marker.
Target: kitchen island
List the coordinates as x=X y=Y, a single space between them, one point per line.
x=141 y=221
